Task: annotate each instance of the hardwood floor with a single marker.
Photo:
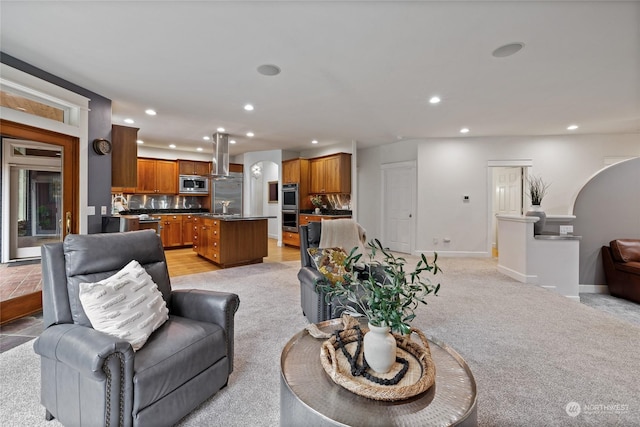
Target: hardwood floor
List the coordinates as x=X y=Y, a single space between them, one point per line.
x=185 y=261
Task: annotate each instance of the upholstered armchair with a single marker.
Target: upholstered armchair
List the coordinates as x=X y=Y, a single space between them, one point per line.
x=313 y=301
x=90 y=378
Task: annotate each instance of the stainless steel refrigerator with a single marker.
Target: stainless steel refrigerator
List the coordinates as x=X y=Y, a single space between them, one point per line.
x=227 y=191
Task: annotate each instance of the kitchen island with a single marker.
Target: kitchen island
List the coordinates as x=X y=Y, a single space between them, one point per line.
x=231 y=240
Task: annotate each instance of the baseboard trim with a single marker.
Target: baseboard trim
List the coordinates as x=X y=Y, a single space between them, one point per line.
x=524 y=278
x=594 y=289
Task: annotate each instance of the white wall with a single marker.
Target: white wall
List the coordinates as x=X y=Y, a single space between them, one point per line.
x=598 y=222
x=449 y=168
x=249 y=159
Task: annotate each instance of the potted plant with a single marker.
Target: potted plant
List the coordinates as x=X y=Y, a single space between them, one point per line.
x=537 y=191
x=316 y=201
x=385 y=293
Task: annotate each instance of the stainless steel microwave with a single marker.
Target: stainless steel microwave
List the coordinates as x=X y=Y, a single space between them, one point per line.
x=192 y=184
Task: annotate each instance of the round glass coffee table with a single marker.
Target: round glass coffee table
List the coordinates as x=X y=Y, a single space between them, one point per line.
x=309 y=397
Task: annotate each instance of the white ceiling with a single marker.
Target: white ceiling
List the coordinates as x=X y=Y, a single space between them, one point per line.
x=351 y=71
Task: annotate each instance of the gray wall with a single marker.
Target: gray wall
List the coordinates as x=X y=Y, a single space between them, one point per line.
x=607 y=208
x=99 y=179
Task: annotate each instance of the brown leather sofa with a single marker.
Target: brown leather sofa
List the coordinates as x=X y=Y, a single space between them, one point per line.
x=621 y=260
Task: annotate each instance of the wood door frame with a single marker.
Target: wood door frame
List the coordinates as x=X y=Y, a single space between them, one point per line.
x=32 y=303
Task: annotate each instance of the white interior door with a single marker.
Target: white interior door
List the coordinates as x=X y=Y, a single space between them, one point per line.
x=508 y=195
x=399 y=199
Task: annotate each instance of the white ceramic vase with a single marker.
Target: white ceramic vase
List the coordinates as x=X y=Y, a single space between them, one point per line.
x=379 y=348
x=537 y=211
x=317 y=211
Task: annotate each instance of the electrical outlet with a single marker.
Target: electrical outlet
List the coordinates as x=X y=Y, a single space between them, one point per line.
x=566 y=229
x=103 y=210
x=435 y=240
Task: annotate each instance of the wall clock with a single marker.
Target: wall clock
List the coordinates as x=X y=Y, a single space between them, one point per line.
x=102 y=146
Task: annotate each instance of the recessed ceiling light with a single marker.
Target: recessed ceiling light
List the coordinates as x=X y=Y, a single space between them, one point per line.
x=199 y=148
x=220 y=129
x=232 y=141
x=248 y=107
x=508 y=50
x=172 y=145
x=130 y=121
x=140 y=141
x=464 y=130
x=250 y=134
x=150 y=112
x=572 y=127
x=206 y=138
x=434 y=100
x=315 y=141
x=269 y=70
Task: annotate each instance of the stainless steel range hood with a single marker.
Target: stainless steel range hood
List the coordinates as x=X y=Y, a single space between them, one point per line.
x=220 y=165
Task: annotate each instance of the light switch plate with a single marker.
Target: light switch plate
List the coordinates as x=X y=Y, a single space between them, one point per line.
x=91 y=210
x=566 y=229
x=103 y=210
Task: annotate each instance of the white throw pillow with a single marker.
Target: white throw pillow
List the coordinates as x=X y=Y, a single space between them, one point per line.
x=127 y=305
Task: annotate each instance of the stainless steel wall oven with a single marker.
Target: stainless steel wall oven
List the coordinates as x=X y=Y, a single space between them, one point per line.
x=290 y=200
x=290 y=220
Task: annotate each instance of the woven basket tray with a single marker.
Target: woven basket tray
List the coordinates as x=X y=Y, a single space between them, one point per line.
x=418 y=379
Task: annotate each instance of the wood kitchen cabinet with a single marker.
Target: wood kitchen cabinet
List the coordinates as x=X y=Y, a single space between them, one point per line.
x=157 y=176
x=124 y=153
x=171 y=233
x=290 y=238
x=193 y=167
x=197 y=221
x=296 y=171
x=234 y=242
x=330 y=174
x=188 y=224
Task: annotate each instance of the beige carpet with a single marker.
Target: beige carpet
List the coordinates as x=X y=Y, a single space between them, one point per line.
x=532 y=352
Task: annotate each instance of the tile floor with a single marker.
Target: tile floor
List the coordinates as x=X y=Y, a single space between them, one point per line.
x=16 y=280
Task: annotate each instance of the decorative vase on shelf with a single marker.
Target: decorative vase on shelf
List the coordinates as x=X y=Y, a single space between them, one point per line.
x=317 y=211
x=379 y=348
x=538 y=226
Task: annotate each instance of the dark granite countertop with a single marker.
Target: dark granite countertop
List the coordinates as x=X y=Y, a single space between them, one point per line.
x=167 y=211
x=230 y=217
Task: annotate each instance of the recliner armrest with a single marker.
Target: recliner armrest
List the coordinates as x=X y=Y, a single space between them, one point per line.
x=82 y=348
x=205 y=306
x=208 y=306
x=310 y=276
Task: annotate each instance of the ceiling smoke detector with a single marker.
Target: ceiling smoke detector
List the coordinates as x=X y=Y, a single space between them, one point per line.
x=269 y=70
x=508 y=50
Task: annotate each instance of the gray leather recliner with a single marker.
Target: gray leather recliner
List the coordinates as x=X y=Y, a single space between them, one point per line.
x=92 y=379
x=313 y=301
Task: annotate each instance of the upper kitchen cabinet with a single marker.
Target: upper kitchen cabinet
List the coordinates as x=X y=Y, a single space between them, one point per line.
x=124 y=154
x=296 y=171
x=157 y=176
x=192 y=167
x=236 y=167
x=330 y=174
